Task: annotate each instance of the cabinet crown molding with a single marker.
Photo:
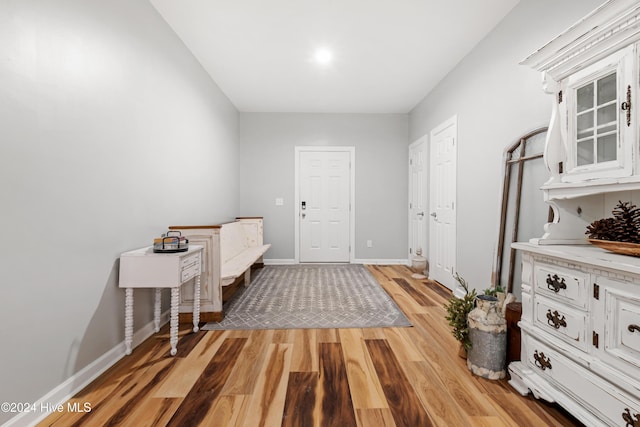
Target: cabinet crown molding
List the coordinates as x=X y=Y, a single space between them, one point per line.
x=616 y=23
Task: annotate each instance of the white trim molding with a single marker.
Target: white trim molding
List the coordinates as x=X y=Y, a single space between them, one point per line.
x=275 y=261
x=381 y=261
x=354 y=261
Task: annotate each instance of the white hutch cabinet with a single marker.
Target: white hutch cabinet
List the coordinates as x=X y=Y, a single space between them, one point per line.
x=580 y=304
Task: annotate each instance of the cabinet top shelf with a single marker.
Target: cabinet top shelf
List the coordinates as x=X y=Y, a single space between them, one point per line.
x=584 y=254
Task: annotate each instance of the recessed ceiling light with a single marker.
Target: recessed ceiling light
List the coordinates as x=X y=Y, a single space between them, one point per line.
x=323 y=56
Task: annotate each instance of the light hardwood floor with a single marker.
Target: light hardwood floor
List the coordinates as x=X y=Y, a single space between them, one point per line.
x=315 y=377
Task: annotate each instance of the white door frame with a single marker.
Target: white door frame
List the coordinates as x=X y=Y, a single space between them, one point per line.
x=425 y=248
x=352 y=195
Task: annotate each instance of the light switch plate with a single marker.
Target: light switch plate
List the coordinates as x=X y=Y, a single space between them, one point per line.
x=279 y=201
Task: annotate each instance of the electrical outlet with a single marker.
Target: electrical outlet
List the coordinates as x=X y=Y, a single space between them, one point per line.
x=279 y=201
x=369 y=243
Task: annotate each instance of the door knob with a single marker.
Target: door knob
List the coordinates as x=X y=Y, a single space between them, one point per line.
x=433 y=214
x=420 y=214
x=303 y=215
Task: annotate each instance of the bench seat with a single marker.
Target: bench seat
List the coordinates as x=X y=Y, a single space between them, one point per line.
x=241 y=263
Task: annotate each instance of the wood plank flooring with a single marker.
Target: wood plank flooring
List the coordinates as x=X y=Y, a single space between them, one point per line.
x=311 y=377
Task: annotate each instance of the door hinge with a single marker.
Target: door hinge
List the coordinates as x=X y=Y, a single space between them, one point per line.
x=596 y=291
x=410 y=251
x=560 y=97
x=595 y=341
x=410 y=162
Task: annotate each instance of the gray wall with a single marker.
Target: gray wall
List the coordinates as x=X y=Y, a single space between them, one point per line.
x=267 y=142
x=110 y=131
x=496 y=101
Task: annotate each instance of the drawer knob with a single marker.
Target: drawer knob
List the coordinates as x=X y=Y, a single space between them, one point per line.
x=632 y=420
x=553 y=319
x=554 y=283
x=633 y=328
x=542 y=362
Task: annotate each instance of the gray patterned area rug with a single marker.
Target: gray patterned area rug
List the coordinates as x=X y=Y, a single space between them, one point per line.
x=311 y=296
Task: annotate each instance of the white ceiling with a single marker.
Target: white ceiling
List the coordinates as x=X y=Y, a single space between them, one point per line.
x=388 y=54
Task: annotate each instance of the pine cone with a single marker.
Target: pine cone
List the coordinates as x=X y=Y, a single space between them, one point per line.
x=623 y=227
x=627 y=222
x=602 y=229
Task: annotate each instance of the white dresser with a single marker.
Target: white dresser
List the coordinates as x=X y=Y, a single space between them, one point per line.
x=580 y=304
x=581 y=332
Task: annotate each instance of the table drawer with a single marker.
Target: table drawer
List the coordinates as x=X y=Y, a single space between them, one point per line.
x=190 y=260
x=561 y=321
x=563 y=284
x=614 y=407
x=190 y=267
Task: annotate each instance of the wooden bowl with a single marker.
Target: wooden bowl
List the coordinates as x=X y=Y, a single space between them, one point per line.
x=622 y=248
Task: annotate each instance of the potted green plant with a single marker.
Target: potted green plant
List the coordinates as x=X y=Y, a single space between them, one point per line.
x=457 y=311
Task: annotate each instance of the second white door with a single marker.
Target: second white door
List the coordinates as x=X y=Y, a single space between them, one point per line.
x=418 y=198
x=442 y=197
x=324 y=206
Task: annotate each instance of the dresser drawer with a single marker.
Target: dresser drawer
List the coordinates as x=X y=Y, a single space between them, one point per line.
x=564 y=284
x=568 y=324
x=614 y=406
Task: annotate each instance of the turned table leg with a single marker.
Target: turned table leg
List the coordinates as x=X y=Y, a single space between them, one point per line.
x=128 y=320
x=156 y=310
x=173 y=326
x=196 y=304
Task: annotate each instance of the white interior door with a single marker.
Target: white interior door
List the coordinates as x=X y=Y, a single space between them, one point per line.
x=442 y=196
x=418 y=197
x=324 y=185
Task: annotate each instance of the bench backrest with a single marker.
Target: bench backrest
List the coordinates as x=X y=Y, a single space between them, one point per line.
x=233 y=240
x=237 y=236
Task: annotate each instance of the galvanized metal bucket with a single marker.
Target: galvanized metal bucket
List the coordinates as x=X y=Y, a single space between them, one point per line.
x=488 y=335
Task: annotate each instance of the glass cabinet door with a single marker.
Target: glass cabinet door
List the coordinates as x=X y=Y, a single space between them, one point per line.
x=596 y=145
x=597 y=121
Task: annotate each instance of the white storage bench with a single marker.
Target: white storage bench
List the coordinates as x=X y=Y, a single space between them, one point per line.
x=230 y=250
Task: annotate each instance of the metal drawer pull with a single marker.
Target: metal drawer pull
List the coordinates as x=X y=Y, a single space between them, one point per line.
x=542 y=362
x=555 y=284
x=633 y=328
x=631 y=420
x=553 y=319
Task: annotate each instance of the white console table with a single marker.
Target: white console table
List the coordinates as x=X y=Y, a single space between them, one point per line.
x=142 y=268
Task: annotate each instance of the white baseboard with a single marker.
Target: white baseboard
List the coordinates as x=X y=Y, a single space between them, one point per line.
x=65 y=391
x=355 y=261
x=274 y=261
x=382 y=261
